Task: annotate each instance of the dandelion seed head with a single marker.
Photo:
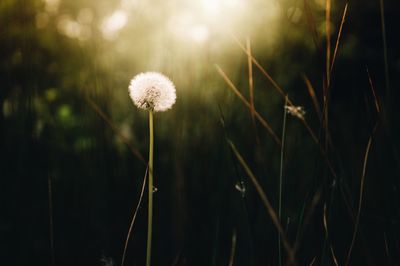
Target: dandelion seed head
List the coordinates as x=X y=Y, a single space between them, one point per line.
x=152 y=91
x=297 y=111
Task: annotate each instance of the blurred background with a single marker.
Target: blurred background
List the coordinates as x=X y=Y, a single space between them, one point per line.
x=69 y=183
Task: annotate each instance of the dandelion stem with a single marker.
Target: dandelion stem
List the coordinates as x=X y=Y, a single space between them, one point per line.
x=150 y=209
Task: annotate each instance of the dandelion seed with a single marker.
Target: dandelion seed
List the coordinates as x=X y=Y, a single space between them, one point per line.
x=297 y=111
x=152 y=91
x=241 y=188
x=106 y=261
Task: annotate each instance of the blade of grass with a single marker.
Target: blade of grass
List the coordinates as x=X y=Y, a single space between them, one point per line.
x=133 y=150
x=251 y=86
x=281 y=179
x=128 y=236
x=339 y=35
x=265 y=123
x=306 y=220
x=327 y=78
x=334 y=257
x=311 y=23
x=371 y=84
x=233 y=248
x=362 y=182
x=325 y=222
x=328 y=41
x=274 y=84
x=257 y=115
x=385 y=53
x=265 y=202
x=313 y=96
x=240 y=180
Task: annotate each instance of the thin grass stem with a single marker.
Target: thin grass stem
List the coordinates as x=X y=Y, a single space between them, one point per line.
x=313 y=95
x=114 y=128
x=339 y=35
x=328 y=41
x=233 y=248
x=134 y=218
x=362 y=182
x=385 y=53
x=263 y=122
x=251 y=87
x=281 y=180
x=267 y=204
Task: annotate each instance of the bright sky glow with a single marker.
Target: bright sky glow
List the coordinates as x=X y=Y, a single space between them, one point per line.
x=114 y=23
x=199 y=33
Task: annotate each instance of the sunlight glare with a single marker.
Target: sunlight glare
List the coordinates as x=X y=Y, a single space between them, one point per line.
x=199 y=33
x=185 y=27
x=211 y=6
x=113 y=24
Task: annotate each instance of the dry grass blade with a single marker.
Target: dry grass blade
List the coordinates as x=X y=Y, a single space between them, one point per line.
x=325 y=222
x=326 y=235
x=362 y=182
x=262 y=120
x=313 y=261
x=313 y=96
x=257 y=115
x=339 y=35
x=334 y=257
x=328 y=41
x=371 y=84
x=134 y=151
x=385 y=53
x=134 y=218
x=233 y=248
x=265 y=202
x=274 y=84
x=265 y=73
x=307 y=218
x=251 y=85
x=311 y=23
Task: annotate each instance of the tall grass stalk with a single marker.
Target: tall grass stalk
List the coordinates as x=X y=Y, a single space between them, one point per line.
x=267 y=204
x=385 y=53
x=360 y=199
x=339 y=35
x=150 y=203
x=281 y=180
x=134 y=218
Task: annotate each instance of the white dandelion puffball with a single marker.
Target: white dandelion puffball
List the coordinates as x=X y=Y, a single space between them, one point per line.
x=152 y=91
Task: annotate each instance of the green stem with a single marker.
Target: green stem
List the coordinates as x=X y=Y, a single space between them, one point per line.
x=281 y=180
x=150 y=209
